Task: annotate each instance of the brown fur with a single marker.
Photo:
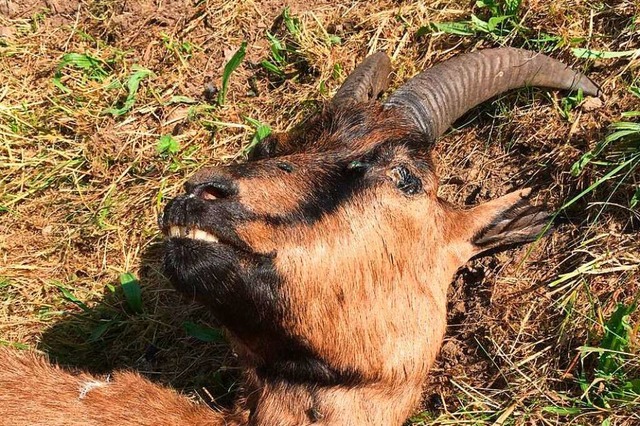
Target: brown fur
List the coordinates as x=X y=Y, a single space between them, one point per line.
x=34 y=392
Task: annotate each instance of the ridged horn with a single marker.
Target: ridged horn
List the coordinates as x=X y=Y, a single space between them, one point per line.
x=437 y=97
x=367 y=81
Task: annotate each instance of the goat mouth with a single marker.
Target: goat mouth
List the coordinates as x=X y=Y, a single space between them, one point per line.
x=176 y=231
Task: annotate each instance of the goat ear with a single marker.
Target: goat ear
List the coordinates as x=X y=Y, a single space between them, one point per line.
x=506 y=221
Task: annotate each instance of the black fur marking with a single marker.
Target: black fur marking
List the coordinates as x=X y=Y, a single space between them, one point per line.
x=335 y=189
x=245 y=299
x=300 y=366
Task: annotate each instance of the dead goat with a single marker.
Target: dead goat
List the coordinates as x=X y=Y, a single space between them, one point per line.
x=328 y=255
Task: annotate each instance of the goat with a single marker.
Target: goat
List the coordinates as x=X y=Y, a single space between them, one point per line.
x=327 y=256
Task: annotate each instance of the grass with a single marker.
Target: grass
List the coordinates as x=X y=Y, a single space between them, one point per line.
x=103 y=115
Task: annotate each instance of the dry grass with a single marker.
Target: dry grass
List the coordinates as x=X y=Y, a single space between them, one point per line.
x=80 y=189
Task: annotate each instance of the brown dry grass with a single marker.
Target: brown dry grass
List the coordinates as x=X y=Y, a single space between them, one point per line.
x=80 y=190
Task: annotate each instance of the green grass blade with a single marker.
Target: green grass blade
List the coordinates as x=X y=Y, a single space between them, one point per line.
x=133 y=84
x=597 y=183
x=455 y=28
x=262 y=131
x=66 y=293
x=229 y=68
x=601 y=54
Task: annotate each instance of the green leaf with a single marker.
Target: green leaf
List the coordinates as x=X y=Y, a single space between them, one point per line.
x=229 y=68
x=601 y=54
x=628 y=114
x=181 y=100
x=495 y=21
x=58 y=83
x=99 y=331
x=93 y=67
x=334 y=39
x=291 y=22
x=271 y=67
x=262 y=131
x=15 y=345
x=132 y=292
x=616 y=338
x=633 y=385
x=456 y=28
x=582 y=162
x=276 y=47
x=563 y=411
x=203 y=332
x=635 y=199
x=167 y=145
x=479 y=24
x=133 y=83
x=66 y=293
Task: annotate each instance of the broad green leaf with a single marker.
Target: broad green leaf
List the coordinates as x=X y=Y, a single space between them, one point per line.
x=93 y=67
x=167 y=145
x=203 y=332
x=479 y=24
x=616 y=337
x=132 y=291
x=495 y=21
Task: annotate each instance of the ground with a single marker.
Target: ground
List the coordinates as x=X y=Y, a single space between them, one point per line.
x=107 y=106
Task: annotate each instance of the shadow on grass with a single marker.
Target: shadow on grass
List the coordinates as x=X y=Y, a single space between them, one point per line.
x=155 y=342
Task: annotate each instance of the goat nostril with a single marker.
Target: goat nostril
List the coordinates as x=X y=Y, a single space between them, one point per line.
x=212 y=190
x=209 y=193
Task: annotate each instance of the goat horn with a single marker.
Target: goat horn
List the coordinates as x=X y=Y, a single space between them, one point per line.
x=437 y=97
x=367 y=81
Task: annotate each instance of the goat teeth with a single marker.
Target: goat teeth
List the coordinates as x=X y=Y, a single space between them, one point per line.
x=192 y=233
x=174 y=231
x=199 y=234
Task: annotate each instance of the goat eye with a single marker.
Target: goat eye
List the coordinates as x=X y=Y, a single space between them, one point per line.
x=285 y=166
x=405 y=180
